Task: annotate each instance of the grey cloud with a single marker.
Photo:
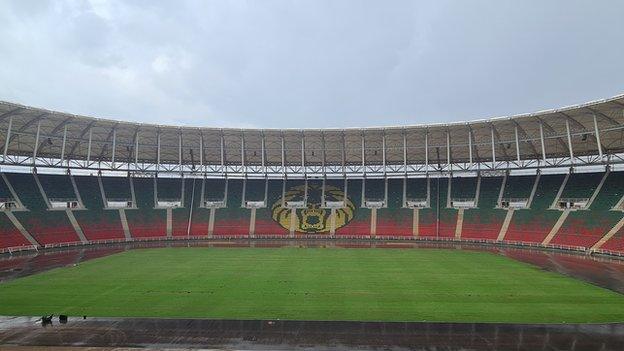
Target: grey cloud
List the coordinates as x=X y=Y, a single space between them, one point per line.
x=308 y=63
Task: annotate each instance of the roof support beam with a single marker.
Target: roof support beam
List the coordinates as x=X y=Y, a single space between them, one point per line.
x=597 y=131
x=383 y=151
x=344 y=153
x=263 y=152
x=222 y=143
x=470 y=146
x=6 y=140
x=63 y=144
x=157 y=150
x=404 y=151
x=609 y=119
x=427 y=151
x=303 y=164
x=521 y=130
x=82 y=134
x=569 y=141
x=448 y=149
x=550 y=129
x=283 y=154
x=180 y=150
x=363 y=153
x=493 y=147
x=114 y=147
x=542 y=142
x=89 y=146
x=242 y=144
x=517 y=144
x=10 y=113
x=324 y=159
x=201 y=150
x=36 y=142
x=136 y=149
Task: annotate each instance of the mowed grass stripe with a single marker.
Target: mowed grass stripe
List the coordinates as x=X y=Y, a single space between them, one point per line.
x=312 y=284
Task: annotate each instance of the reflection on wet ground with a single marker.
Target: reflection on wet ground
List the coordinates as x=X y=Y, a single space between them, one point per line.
x=185 y=333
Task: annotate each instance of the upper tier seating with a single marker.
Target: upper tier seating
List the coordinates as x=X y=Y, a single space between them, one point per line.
x=117 y=188
x=57 y=186
x=463 y=187
x=581 y=185
x=214 y=189
x=169 y=189
x=416 y=188
x=519 y=186
x=374 y=190
x=254 y=190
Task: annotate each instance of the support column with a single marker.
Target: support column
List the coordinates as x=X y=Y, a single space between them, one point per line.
x=556 y=227
x=616 y=228
x=124 y=224
x=506 y=222
x=293 y=222
x=332 y=221
x=460 y=223
x=211 y=221
x=169 y=222
x=75 y=225
x=373 y=223
x=416 y=223
x=21 y=229
x=252 y=223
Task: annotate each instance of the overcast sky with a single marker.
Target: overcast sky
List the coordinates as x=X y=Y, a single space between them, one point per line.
x=298 y=64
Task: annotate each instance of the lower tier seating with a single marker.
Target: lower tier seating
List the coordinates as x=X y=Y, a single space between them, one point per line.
x=9 y=235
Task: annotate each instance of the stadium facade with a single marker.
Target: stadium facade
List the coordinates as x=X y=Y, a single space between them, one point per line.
x=548 y=179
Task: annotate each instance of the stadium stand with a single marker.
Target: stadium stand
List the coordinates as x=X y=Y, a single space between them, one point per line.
x=395 y=219
x=438 y=220
x=264 y=223
x=463 y=191
x=533 y=224
x=57 y=187
x=145 y=221
x=360 y=225
x=232 y=220
x=485 y=221
x=96 y=222
x=180 y=215
x=46 y=226
x=9 y=235
x=225 y=216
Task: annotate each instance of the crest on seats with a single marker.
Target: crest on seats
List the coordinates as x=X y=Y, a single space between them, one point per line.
x=313 y=219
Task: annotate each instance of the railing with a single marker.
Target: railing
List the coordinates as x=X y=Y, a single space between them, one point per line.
x=377 y=238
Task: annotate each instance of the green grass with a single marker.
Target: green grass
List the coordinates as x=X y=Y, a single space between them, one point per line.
x=312 y=284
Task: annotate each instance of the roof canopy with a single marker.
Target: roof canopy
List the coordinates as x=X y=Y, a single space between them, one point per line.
x=593 y=130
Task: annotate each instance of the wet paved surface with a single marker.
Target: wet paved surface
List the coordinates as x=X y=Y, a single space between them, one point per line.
x=270 y=335
x=288 y=335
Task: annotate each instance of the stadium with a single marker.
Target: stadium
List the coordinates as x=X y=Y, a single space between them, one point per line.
x=512 y=223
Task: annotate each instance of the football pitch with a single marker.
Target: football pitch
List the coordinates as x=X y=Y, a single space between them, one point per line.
x=312 y=284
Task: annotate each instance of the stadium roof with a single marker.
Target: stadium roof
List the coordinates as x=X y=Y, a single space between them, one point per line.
x=588 y=133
